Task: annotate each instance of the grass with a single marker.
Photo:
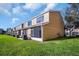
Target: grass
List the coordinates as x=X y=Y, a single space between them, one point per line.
x=11 y=46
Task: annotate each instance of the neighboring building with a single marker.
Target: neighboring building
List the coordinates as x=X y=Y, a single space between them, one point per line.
x=46 y=26
x=72 y=30
x=2 y=31
x=75 y=32
x=9 y=31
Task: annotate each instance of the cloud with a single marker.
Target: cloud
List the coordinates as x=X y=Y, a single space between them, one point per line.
x=26 y=8
x=5 y=8
x=50 y=6
x=5 y=11
x=17 y=10
x=14 y=20
x=32 y=6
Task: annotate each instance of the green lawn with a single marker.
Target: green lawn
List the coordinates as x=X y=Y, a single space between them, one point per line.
x=63 y=46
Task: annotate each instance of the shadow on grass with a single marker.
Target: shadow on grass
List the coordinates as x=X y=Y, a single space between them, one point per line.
x=62 y=38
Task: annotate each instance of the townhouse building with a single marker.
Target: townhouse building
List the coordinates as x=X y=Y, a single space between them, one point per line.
x=43 y=27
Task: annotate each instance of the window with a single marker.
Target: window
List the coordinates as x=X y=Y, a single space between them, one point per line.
x=40 y=19
x=29 y=23
x=19 y=32
x=36 y=32
x=24 y=32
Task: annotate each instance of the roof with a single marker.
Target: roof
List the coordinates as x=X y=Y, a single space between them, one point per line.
x=51 y=11
x=1 y=29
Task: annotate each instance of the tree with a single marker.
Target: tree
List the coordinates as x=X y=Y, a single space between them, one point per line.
x=72 y=16
x=72 y=13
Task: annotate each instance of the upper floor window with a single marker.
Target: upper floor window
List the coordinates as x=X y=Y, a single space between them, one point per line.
x=29 y=23
x=40 y=19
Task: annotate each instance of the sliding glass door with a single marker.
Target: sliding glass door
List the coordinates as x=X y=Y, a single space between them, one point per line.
x=24 y=32
x=36 y=32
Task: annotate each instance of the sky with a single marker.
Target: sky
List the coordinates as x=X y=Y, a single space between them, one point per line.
x=13 y=14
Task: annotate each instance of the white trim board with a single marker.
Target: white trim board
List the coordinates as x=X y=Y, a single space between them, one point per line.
x=37 y=39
